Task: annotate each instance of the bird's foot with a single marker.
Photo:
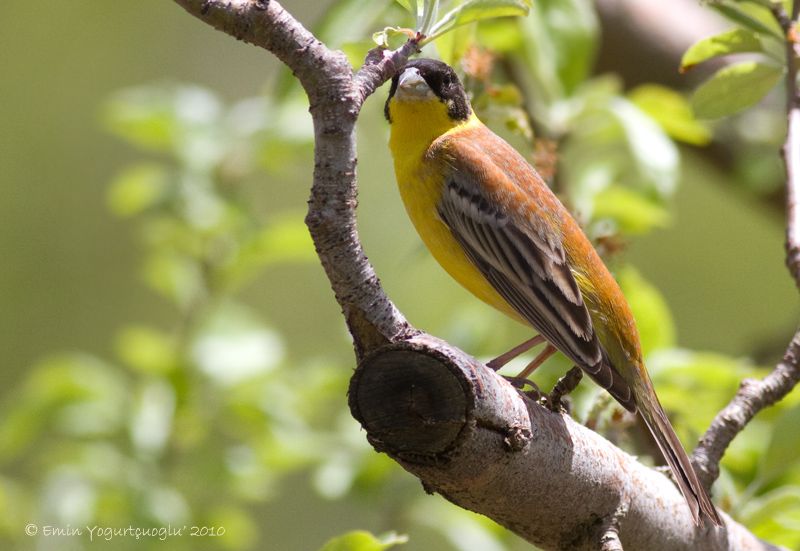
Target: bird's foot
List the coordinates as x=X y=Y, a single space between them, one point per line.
x=556 y=400
x=521 y=382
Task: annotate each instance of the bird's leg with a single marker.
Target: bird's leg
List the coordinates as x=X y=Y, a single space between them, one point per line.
x=564 y=386
x=522 y=379
x=548 y=351
x=503 y=359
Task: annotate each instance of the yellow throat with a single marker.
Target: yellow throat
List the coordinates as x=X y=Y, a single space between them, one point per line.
x=415 y=125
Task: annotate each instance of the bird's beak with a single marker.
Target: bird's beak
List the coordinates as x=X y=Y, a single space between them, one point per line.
x=411 y=85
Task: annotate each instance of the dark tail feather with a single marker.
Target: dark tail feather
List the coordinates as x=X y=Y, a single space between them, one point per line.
x=693 y=491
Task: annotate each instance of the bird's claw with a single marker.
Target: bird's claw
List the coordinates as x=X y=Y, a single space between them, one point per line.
x=556 y=400
x=521 y=382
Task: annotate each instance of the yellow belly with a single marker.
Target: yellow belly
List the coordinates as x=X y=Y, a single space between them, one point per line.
x=421 y=188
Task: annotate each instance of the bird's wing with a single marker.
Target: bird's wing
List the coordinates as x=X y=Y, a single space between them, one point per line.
x=528 y=268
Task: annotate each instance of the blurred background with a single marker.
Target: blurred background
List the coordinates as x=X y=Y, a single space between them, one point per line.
x=173 y=354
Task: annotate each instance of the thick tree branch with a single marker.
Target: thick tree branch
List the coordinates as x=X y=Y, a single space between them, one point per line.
x=753 y=396
x=473 y=438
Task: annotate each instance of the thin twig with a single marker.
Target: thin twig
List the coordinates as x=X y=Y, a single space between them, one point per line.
x=753 y=395
x=381 y=65
x=791 y=148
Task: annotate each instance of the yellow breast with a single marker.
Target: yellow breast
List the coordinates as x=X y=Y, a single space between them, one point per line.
x=421 y=180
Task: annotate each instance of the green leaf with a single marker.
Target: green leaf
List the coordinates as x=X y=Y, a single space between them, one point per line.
x=415 y=7
x=152 y=415
x=360 y=540
x=427 y=15
x=734 y=88
x=463 y=530
x=476 y=10
x=146 y=349
x=655 y=155
x=573 y=30
x=748 y=18
x=421 y=4
x=614 y=143
x=729 y=42
x=559 y=41
x=134 y=116
x=137 y=188
x=390 y=37
x=672 y=112
x=407 y=5
x=633 y=212
x=74 y=394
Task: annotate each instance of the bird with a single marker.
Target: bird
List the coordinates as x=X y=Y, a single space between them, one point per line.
x=494 y=225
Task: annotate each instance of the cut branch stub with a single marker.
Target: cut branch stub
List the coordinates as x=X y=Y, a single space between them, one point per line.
x=419 y=398
x=412 y=405
x=471 y=437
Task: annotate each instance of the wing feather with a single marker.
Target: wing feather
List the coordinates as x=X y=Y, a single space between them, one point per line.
x=532 y=274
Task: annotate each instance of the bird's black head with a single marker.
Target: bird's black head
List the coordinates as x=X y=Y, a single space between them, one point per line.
x=427 y=78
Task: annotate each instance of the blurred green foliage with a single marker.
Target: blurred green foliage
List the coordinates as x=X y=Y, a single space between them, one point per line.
x=362 y=541
x=738 y=86
x=210 y=420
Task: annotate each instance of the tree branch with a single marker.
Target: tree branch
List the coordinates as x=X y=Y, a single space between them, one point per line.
x=470 y=436
x=791 y=148
x=753 y=396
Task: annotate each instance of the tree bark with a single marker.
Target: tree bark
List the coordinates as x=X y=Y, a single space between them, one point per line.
x=471 y=437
